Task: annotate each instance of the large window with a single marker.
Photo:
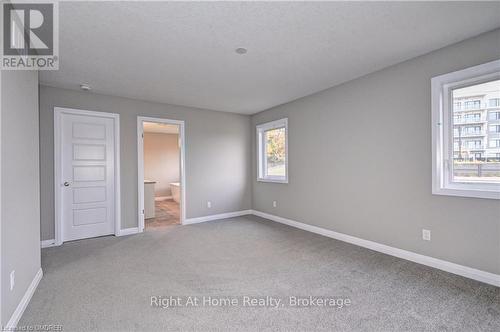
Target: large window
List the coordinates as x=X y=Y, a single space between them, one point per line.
x=272 y=151
x=465 y=137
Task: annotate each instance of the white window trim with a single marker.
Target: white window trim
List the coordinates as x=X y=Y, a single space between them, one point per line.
x=442 y=148
x=261 y=129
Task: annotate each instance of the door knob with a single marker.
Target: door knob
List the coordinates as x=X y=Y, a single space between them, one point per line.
x=66 y=184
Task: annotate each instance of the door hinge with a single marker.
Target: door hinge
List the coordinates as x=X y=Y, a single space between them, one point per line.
x=142 y=135
x=142 y=211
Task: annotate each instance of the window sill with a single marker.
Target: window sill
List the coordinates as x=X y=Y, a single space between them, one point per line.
x=471 y=193
x=272 y=180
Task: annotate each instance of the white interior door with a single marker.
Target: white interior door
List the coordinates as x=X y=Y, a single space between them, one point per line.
x=87 y=176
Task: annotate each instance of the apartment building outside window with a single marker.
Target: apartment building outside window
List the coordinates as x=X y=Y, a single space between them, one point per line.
x=466 y=132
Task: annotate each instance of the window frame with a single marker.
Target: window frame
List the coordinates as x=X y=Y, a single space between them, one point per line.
x=261 y=129
x=442 y=131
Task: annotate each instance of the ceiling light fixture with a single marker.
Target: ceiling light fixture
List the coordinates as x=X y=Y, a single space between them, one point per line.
x=241 y=50
x=85 y=87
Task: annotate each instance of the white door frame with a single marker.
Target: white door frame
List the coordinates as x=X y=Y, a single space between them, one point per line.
x=140 y=165
x=58 y=112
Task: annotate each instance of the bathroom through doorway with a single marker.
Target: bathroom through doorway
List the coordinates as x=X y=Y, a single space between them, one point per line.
x=161 y=173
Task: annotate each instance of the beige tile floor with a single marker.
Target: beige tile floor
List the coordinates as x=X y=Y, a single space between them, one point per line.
x=167 y=214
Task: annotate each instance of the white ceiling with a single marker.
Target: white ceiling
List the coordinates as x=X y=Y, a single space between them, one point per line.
x=162 y=128
x=183 y=53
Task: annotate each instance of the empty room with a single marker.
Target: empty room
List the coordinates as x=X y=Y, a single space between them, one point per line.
x=250 y=165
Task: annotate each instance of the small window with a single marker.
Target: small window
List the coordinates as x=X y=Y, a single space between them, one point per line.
x=476 y=144
x=472 y=104
x=494 y=128
x=494 y=116
x=272 y=151
x=494 y=102
x=495 y=143
x=465 y=141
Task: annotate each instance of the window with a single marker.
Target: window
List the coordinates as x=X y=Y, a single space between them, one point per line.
x=272 y=151
x=494 y=116
x=494 y=102
x=461 y=149
x=469 y=130
x=495 y=143
x=494 y=128
x=472 y=117
x=472 y=104
x=476 y=144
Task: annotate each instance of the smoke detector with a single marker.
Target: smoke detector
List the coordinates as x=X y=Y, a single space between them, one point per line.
x=241 y=50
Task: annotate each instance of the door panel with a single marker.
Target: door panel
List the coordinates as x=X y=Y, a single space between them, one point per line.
x=89 y=173
x=89 y=152
x=89 y=216
x=87 y=179
x=89 y=130
x=89 y=195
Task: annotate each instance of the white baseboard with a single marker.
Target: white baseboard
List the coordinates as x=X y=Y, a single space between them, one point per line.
x=48 y=243
x=121 y=232
x=216 y=217
x=162 y=198
x=16 y=316
x=464 y=271
x=128 y=231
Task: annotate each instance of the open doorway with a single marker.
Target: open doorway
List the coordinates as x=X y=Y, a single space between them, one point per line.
x=161 y=173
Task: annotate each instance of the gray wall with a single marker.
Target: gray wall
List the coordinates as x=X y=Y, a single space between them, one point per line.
x=161 y=161
x=360 y=163
x=20 y=196
x=218 y=153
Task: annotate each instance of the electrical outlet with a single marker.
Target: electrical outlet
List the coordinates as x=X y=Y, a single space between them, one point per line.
x=275 y=204
x=12 y=279
x=209 y=204
x=426 y=234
